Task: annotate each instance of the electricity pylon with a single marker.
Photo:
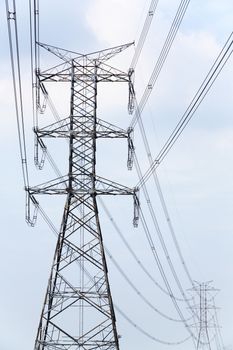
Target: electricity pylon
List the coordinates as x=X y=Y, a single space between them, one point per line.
x=78 y=311
x=202 y=309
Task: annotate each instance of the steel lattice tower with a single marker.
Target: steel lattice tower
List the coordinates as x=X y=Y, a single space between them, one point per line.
x=78 y=310
x=205 y=320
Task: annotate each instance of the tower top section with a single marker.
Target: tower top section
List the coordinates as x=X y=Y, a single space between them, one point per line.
x=102 y=55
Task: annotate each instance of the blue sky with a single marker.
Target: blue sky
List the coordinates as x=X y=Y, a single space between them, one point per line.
x=196 y=176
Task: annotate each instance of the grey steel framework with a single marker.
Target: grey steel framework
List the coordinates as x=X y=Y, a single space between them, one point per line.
x=78 y=310
x=205 y=319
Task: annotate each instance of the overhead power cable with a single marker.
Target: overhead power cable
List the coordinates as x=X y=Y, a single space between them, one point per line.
x=163 y=275
x=152 y=247
x=31 y=59
x=144 y=32
x=132 y=252
x=159 y=233
x=193 y=106
x=136 y=290
x=161 y=59
x=17 y=85
x=36 y=34
x=34 y=31
x=148 y=335
x=162 y=200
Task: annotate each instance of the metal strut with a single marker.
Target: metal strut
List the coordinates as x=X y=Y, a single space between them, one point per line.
x=78 y=310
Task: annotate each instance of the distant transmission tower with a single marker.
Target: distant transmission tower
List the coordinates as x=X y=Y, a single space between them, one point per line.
x=78 y=310
x=203 y=309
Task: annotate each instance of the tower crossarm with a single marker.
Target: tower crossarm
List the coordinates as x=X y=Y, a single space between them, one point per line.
x=102 y=55
x=83 y=73
x=60 y=186
x=61 y=129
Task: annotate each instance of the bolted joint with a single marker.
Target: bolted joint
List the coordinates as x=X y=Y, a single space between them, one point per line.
x=11 y=15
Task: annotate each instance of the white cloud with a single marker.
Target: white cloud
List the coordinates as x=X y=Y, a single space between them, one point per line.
x=201 y=44
x=114 y=22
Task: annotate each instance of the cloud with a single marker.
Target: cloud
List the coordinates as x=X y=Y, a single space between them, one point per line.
x=114 y=22
x=202 y=44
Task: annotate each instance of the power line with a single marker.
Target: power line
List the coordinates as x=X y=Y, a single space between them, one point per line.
x=144 y=32
x=195 y=103
x=161 y=60
x=31 y=59
x=136 y=258
x=163 y=275
x=136 y=290
x=17 y=87
x=159 y=233
x=148 y=335
x=152 y=246
x=162 y=200
x=35 y=56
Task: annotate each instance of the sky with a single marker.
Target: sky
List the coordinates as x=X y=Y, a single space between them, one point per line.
x=196 y=176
